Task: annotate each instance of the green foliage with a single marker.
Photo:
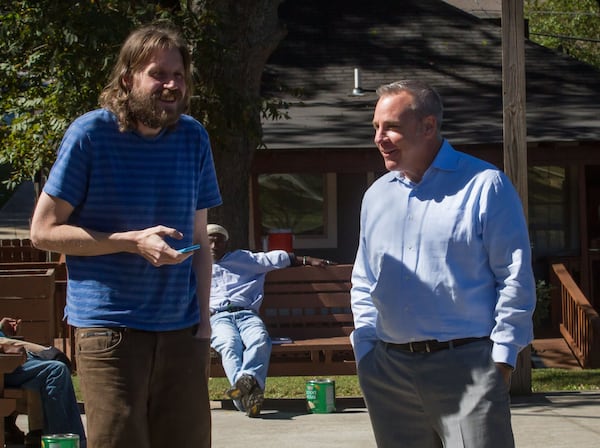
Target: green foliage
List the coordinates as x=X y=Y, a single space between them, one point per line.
x=55 y=61
x=4 y=192
x=542 y=308
x=571 y=26
x=292 y=201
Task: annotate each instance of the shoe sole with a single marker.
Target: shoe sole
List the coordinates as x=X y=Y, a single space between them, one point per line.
x=254 y=411
x=242 y=387
x=253 y=402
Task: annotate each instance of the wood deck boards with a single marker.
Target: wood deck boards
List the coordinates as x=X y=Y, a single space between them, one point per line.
x=553 y=352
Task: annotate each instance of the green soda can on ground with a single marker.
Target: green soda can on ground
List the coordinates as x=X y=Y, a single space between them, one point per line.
x=320 y=396
x=60 y=441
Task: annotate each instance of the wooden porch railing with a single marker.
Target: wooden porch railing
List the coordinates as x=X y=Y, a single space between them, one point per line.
x=580 y=323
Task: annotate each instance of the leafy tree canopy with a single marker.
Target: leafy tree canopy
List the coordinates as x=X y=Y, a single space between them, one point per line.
x=571 y=26
x=55 y=58
x=55 y=61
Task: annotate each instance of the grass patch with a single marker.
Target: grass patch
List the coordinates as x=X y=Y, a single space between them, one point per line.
x=289 y=387
x=542 y=380
x=554 y=380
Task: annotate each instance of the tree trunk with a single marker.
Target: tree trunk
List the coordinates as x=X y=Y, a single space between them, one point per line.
x=248 y=31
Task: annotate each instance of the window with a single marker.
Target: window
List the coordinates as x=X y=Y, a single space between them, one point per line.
x=551 y=213
x=304 y=203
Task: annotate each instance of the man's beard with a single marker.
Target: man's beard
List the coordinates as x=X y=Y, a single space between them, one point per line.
x=146 y=109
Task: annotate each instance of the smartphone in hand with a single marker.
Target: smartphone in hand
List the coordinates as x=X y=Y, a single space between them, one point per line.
x=192 y=248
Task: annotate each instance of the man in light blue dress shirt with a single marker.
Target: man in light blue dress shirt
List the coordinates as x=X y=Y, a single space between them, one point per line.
x=238 y=333
x=442 y=287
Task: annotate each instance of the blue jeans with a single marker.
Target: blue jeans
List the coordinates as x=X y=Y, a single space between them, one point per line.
x=243 y=342
x=52 y=379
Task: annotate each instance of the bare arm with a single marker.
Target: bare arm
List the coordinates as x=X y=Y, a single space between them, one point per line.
x=202 y=264
x=51 y=231
x=305 y=260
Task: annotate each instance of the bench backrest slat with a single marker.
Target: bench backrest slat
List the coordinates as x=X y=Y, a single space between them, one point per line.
x=60 y=268
x=300 y=333
x=15 y=250
x=307 y=320
x=308 y=302
x=309 y=274
x=298 y=288
x=26 y=283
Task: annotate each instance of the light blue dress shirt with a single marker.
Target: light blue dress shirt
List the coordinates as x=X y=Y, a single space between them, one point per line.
x=238 y=278
x=443 y=259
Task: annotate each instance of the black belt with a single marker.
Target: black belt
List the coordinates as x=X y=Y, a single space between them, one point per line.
x=431 y=345
x=231 y=309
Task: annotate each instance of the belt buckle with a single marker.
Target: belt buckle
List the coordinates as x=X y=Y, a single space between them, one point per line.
x=413 y=346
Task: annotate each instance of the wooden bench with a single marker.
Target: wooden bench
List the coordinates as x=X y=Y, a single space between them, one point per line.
x=20 y=255
x=311 y=306
x=28 y=294
x=27 y=291
x=60 y=289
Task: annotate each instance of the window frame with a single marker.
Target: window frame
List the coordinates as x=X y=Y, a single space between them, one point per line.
x=326 y=240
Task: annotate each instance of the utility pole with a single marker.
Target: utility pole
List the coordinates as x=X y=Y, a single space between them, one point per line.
x=515 y=137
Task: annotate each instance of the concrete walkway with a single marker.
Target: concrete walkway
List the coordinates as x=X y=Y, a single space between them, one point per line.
x=550 y=420
x=558 y=420
x=541 y=420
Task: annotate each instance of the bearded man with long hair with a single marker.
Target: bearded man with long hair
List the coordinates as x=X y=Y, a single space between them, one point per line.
x=131 y=186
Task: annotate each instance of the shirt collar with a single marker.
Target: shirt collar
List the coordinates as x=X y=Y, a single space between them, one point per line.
x=445 y=160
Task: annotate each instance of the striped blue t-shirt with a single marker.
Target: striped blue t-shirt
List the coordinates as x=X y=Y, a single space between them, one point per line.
x=122 y=181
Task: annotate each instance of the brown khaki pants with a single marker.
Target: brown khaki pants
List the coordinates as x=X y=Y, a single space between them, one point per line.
x=144 y=389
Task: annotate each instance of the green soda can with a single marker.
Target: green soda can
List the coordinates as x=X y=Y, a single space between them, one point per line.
x=320 y=396
x=60 y=441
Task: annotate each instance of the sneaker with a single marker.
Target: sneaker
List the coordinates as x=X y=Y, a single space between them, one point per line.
x=253 y=401
x=242 y=387
x=238 y=405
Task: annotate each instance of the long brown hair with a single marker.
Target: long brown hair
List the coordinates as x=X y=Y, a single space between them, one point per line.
x=136 y=51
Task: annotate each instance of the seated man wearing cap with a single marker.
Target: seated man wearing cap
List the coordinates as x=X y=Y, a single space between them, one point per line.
x=238 y=333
